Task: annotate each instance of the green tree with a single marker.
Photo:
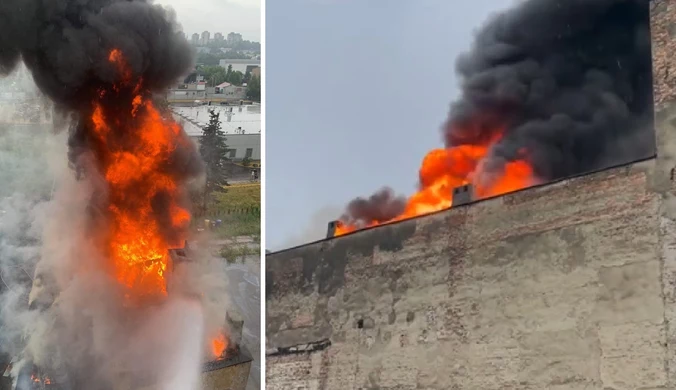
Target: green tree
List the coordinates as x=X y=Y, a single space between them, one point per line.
x=235 y=78
x=253 y=89
x=207 y=59
x=214 y=75
x=213 y=149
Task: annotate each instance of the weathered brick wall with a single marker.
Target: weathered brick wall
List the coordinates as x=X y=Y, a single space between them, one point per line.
x=557 y=287
x=566 y=286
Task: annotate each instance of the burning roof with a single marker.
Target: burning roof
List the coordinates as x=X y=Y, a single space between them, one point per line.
x=550 y=89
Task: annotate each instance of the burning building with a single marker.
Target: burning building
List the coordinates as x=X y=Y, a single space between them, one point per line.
x=114 y=299
x=562 y=278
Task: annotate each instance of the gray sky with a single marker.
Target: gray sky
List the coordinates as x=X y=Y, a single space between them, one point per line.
x=224 y=16
x=356 y=95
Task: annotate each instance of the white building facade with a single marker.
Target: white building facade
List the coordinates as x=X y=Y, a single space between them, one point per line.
x=240 y=65
x=241 y=125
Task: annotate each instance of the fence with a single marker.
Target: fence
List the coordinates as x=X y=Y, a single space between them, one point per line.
x=253 y=211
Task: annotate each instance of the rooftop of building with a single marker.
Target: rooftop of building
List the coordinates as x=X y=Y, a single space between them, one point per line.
x=471 y=203
x=240 y=61
x=195 y=118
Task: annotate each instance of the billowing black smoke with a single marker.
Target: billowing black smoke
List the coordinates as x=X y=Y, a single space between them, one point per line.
x=378 y=207
x=569 y=82
x=66 y=44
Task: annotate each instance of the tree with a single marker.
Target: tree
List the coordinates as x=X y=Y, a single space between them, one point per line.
x=235 y=78
x=207 y=59
x=253 y=89
x=214 y=151
x=214 y=75
x=228 y=72
x=233 y=55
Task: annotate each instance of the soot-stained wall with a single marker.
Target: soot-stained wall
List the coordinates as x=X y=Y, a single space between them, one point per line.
x=566 y=286
x=555 y=285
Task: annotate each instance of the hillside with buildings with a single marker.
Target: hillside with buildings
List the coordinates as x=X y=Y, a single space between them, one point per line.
x=228 y=70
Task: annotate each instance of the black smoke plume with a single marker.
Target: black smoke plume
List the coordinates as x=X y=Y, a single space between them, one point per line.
x=378 y=207
x=569 y=82
x=66 y=44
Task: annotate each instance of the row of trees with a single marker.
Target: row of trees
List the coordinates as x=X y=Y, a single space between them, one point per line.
x=243 y=45
x=215 y=56
x=215 y=75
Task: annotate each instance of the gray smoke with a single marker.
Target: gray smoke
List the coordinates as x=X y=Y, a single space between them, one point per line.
x=567 y=82
x=381 y=206
x=78 y=329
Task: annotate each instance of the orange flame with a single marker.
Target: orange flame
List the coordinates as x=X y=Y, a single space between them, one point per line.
x=133 y=171
x=137 y=248
x=218 y=346
x=443 y=170
x=117 y=58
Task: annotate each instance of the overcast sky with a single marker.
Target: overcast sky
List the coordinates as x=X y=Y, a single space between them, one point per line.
x=356 y=94
x=224 y=16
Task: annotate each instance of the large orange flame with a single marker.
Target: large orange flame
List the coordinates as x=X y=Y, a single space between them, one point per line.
x=133 y=160
x=443 y=170
x=137 y=248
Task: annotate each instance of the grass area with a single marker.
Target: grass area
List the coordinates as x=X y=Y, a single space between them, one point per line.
x=234 y=253
x=239 y=210
x=238 y=196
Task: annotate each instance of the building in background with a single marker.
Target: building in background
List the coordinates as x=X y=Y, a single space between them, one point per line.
x=206 y=36
x=234 y=38
x=195 y=39
x=218 y=37
x=241 y=125
x=228 y=90
x=243 y=66
x=189 y=92
x=256 y=72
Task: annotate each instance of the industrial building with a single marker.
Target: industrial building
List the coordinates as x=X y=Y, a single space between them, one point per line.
x=244 y=66
x=241 y=125
x=567 y=285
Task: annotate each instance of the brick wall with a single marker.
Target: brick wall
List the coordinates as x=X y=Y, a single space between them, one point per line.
x=553 y=287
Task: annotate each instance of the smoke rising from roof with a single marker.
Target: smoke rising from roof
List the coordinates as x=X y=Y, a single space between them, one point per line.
x=568 y=80
x=568 y=83
x=378 y=207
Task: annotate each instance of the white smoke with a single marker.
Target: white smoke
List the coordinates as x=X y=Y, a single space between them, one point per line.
x=78 y=328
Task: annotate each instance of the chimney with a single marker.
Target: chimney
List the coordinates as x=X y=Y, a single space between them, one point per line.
x=331 y=232
x=235 y=325
x=462 y=195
